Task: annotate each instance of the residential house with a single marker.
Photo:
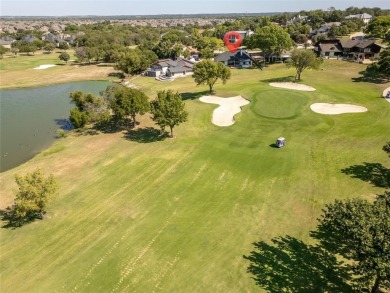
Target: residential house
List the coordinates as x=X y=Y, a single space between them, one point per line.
x=171 y=68
x=329 y=48
x=295 y=19
x=51 y=38
x=364 y=16
x=29 y=38
x=350 y=49
x=6 y=41
x=239 y=59
x=324 y=29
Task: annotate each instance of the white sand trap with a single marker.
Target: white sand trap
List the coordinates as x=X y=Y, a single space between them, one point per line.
x=228 y=107
x=45 y=66
x=385 y=93
x=293 y=86
x=334 y=109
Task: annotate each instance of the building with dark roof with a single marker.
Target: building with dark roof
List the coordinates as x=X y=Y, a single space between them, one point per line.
x=353 y=49
x=239 y=59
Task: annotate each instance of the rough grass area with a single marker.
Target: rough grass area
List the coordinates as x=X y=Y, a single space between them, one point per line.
x=137 y=213
x=19 y=72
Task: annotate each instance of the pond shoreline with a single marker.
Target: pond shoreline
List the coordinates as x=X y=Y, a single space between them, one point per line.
x=31 y=116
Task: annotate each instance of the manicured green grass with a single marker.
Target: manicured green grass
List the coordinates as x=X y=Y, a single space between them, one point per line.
x=138 y=214
x=19 y=72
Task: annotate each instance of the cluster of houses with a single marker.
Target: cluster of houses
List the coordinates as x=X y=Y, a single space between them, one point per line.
x=6 y=41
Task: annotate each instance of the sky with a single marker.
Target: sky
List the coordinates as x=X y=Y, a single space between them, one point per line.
x=154 y=7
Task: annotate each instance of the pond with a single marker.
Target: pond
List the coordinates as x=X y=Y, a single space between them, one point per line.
x=30 y=117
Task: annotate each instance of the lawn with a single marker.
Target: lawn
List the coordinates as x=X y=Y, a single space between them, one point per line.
x=135 y=213
x=19 y=72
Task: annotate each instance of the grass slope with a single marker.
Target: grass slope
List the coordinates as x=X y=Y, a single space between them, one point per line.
x=134 y=214
x=18 y=72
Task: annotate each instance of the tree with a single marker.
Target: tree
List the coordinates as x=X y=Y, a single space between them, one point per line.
x=78 y=118
x=359 y=231
x=379 y=27
x=303 y=59
x=206 y=53
x=271 y=39
x=81 y=54
x=63 y=45
x=3 y=50
x=382 y=67
x=15 y=51
x=64 y=57
x=49 y=47
x=94 y=109
x=33 y=194
x=208 y=72
x=168 y=110
x=129 y=102
x=135 y=61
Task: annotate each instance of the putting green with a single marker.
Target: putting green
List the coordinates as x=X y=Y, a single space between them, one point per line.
x=279 y=104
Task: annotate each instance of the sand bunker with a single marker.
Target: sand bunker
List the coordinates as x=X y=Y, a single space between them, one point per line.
x=45 y=66
x=334 y=109
x=228 y=107
x=385 y=94
x=293 y=86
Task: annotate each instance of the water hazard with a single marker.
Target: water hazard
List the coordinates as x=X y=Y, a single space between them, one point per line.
x=30 y=117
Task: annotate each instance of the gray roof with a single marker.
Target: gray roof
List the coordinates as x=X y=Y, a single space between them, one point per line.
x=237 y=56
x=348 y=44
x=329 y=47
x=365 y=43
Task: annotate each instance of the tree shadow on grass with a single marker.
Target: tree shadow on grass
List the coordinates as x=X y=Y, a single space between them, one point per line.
x=12 y=221
x=112 y=126
x=280 y=79
x=145 y=135
x=374 y=173
x=369 y=77
x=193 y=96
x=290 y=265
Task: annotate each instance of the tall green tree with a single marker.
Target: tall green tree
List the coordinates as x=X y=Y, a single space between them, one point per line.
x=135 y=61
x=129 y=102
x=382 y=67
x=90 y=108
x=379 y=27
x=49 y=47
x=359 y=231
x=168 y=109
x=3 y=50
x=64 y=57
x=271 y=39
x=33 y=194
x=303 y=59
x=208 y=72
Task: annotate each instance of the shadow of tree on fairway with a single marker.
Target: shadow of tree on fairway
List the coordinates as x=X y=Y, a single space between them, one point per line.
x=112 y=126
x=145 y=135
x=370 y=77
x=193 y=96
x=374 y=173
x=12 y=221
x=289 y=78
x=290 y=265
